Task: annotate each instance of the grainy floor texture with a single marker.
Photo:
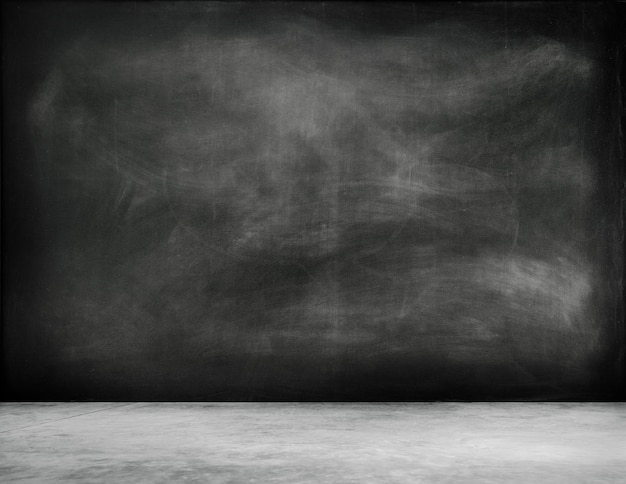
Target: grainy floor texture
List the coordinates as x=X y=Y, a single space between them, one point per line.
x=329 y=443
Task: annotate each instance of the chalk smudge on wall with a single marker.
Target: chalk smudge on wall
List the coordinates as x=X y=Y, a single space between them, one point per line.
x=305 y=208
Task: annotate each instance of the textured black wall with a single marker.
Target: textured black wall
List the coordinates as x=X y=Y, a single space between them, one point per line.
x=311 y=201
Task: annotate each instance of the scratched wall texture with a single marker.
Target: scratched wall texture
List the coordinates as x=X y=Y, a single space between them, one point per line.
x=312 y=202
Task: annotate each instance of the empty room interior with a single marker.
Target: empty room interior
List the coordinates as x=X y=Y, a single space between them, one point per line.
x=330 y=242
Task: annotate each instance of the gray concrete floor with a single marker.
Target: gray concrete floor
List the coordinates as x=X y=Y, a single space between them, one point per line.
x=326 y=443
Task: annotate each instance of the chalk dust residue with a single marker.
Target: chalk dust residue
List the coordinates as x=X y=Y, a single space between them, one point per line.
x=326 y=192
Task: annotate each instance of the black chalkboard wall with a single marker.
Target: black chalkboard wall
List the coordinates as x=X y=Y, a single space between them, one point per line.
x=218 y=201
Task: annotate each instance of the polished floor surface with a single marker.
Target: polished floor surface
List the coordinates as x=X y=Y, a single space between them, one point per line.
x=301 y=443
